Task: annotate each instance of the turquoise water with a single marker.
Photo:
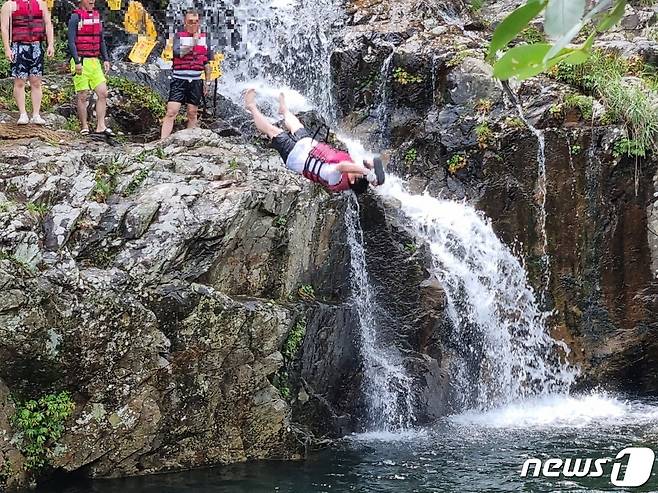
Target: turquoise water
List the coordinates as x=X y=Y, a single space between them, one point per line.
x=472 y=452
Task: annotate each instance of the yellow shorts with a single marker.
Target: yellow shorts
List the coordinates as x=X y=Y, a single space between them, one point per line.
x=92 y=74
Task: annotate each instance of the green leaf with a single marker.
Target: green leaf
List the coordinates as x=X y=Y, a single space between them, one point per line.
x=587 y=46
x=613 y=17
x=522 y=62
x=576 y=57
x=513 y=24
x=564 y=41
x=562 y=15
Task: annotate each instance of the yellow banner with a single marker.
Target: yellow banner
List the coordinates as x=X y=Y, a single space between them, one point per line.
x=142 y=49
x=114 y=4
x=133 y=18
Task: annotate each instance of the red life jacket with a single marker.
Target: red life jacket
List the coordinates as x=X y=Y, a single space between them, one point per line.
x=323 y=154
x=27 y=22
x=88 y=38
x=195 y=59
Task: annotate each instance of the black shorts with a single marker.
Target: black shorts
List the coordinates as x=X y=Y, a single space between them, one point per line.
x=285 y=142
x=28 y=60
x=186 y=91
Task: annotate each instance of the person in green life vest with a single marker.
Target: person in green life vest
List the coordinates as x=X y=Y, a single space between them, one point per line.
x=25 y=25
x=192 y=57
x=87 y=48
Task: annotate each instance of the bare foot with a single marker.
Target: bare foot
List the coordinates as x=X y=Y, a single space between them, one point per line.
x=283 y=108
x=250 y=98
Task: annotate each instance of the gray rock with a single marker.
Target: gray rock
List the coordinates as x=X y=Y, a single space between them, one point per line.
x=59 y=225
x=471 y=81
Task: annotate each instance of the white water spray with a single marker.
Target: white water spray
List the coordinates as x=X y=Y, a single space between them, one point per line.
x=503 y=351
x=285 y=44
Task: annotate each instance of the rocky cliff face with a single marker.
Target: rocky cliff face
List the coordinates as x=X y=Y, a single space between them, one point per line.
x=424 y=93
x=158 y=286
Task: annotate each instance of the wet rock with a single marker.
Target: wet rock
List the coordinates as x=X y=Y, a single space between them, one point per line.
x=471 y=81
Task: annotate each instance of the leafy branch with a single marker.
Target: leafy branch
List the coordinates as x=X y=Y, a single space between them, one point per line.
x=564 y=19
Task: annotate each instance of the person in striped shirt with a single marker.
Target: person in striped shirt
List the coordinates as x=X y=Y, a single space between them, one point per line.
x=192 y=57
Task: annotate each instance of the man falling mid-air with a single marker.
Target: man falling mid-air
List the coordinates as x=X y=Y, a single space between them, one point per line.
x=317 y=161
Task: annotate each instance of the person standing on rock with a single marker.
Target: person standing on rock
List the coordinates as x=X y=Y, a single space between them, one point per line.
x=191 y=59
x=319 y=162
x=87 y=48
x=25 y=25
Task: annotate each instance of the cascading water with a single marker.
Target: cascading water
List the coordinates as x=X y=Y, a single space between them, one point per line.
x=541 y=199
x=383 y=113
x=277 y=43
x=387 y=386
x=502 y=350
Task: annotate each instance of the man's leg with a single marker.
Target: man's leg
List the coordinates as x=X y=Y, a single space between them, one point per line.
x=36 y=92
x=19 y=95
x=168 y=122
x=101 y=106
x=291 y=121
x=262 y=124
x=192 y=115
x=81 y=106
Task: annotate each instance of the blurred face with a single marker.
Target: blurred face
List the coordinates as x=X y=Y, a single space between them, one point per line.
x=191 y=22
x=87 y=4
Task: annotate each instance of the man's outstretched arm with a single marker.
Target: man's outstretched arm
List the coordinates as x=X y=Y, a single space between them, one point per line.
x=350 y=167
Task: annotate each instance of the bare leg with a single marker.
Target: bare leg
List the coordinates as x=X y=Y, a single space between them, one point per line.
x=101 y=106
x=81 y=106
x=292 y=122
x=36 y=92
x=19 y=94
x=192 y=115
x=170 y=117
x=262 y=124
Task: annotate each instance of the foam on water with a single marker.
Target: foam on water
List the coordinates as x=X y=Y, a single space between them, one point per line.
x=563 y=411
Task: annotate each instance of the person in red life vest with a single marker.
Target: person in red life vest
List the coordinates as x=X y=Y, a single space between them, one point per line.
x=317 y=161
x=87 y=48
x=25 y=26
x=192 y=56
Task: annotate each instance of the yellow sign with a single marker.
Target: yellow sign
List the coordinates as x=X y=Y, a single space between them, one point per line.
x=137 y=20
x=150 y=26
x=133 y=18
x=50 y=4
x=168 y=52
x=114 y=4
x=142 y=49
x=215 y=66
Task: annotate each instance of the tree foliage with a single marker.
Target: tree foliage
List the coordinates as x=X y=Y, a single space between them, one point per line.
x=563 y=21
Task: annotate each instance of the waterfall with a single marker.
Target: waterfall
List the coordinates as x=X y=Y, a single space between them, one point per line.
x=275 y=43
x=541 y=199
x=382 y=112
x=386 y=385
x=502 y=351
